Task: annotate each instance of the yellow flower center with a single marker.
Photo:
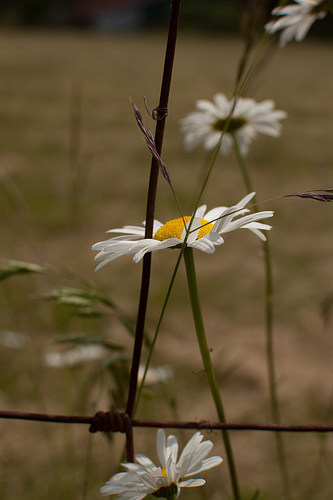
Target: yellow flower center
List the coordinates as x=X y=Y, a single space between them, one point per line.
x=164 y=472
x=174 y=228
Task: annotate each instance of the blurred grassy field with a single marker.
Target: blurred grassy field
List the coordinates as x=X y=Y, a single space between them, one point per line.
x=72 y=165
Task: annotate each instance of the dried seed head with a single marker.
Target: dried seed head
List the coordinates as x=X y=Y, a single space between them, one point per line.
x=317 y=194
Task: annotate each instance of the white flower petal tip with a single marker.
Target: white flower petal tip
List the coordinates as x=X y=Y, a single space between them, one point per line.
x=145 y=478
x=72 y=357
x=14 y=340
x=156 y=375
x=296 y=19
x=204 y=232
x=211 y=121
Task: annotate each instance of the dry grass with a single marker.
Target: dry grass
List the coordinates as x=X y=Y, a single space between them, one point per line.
x=40 y=73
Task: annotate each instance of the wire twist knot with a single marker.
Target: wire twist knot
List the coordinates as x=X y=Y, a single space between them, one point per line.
x=159 y=113
x=110 y=422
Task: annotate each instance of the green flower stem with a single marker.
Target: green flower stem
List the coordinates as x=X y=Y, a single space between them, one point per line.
x=275 y=409
x=244 y=170
x=201 y=336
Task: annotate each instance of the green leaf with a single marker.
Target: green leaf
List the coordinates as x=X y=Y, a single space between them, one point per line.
x=255 y=495
x=84 y=340
x=68 y=295
x=83 y=301
x=12 y=267
x=88 y=312
x=113 y=360
x=74 y=300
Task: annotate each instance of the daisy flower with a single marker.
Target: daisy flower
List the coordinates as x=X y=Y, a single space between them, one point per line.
x=248 y=118
x=205 y=232
x=145 y=478
x=296 y=19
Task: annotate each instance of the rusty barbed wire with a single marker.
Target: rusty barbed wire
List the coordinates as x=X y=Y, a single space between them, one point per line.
x=121 y=422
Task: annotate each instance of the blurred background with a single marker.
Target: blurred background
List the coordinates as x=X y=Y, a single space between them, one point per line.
x=133 y=15
x=73 y=164
x=115 y=15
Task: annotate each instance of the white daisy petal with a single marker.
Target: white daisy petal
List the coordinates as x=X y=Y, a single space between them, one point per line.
x=191 y=446
x=131 y=467
x=194 y=225
x=200 y=212
x=209 y=107
x=204 y=244
x=153 y=481
x=172 y=447
x=214 y=213
x=191 y=483
x=223 y=106
x=117 y=246
x=142 y=247
x=156 y=226
x=258 y=233
x=243 y=221
x=134 y=230
x=160 y=447
x=244 y=201
x=206 y=464
x=258 y=225
x=154 y=246
x=192 y=462
x=143 y=460
x=214 y=238
x=106 y=261
x=211 y=140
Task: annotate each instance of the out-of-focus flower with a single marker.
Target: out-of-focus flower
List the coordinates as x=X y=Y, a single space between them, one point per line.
x=243 y=118
x=14 y=340
x=205 y=232
x=74 y=356
x=155 y=375
x=145 y=478
x=296 y=19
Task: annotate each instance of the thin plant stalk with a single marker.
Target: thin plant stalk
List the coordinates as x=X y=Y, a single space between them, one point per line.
x=242 y=80
x=157 y=330
x=210 y=168
x=151 y=198
x=275 y=409
x=204 y=350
